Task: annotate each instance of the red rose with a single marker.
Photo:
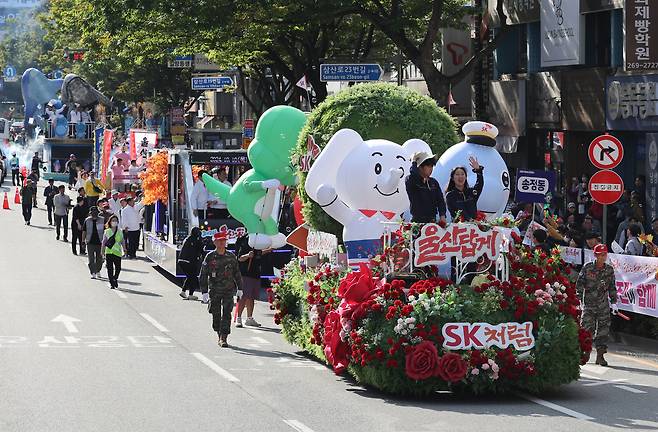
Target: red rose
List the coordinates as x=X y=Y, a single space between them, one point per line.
x=421 y=361
x=355 y=288
x=452 y=367
x=335 y=350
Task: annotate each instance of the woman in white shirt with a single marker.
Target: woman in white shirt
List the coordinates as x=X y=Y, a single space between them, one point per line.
x=82 y=179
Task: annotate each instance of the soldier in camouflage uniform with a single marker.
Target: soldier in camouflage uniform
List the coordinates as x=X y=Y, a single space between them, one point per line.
x=220 y=275
x=598 y=293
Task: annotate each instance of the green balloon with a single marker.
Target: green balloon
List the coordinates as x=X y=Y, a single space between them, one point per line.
x=251 y=199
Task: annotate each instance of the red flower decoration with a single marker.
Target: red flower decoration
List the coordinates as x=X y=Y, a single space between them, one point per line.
x=452 y=368
x=421 y=361
x=335 y=350
x=355 y=289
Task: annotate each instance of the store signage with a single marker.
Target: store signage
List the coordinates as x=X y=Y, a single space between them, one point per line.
x=632 y=102
x=562 y=33
x=521 y=11
x=465 y=241
x=181 y=62
x=463 y=335
x=641 y=33
x=533 y=186
x=587 y=6
x=652 y=175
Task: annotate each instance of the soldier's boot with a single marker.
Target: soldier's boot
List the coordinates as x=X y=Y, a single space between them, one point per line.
x=599 y=356
x=223 y=342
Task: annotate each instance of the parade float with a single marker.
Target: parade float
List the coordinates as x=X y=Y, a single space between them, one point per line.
x=507 y=320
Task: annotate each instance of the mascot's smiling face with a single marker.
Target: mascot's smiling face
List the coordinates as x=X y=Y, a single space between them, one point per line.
x=371 y=173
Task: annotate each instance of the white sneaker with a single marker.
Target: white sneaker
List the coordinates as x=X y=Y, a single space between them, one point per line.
x=238 y=322
x=182 y=294
x=93 y=275
x=251 y=322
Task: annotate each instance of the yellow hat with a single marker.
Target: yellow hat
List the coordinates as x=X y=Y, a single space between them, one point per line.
x=480 y=128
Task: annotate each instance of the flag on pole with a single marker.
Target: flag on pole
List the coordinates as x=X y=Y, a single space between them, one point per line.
x=303 y=83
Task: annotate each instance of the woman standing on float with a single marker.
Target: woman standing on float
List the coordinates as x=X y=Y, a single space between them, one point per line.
x=459 y=196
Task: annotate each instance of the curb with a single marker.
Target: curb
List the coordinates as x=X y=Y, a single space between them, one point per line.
x=641 y=343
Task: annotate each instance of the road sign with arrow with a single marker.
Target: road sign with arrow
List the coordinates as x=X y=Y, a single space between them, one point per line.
x=605 y=152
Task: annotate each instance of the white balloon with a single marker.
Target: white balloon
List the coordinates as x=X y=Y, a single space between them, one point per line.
x=361 y=183
x=496 y=190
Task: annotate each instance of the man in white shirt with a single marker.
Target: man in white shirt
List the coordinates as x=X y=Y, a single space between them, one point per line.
x=134 y=169
x=219 y=210
x=130 y=219
x=200 y=198
x=115 y=206
x=75 y=116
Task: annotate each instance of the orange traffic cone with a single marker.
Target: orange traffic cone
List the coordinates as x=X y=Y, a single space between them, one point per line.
x=5 y=204
x=17 y=197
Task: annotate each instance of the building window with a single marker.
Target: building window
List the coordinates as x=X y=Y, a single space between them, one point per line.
x=598 y=39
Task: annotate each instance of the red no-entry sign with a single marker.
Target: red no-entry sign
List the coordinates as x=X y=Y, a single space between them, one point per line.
x=605 y=152
x=606 y=187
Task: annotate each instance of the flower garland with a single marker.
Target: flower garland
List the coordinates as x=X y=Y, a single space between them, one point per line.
x=389 y=335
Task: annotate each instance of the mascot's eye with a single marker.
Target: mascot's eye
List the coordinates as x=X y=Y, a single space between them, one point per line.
x=378 y=169
x=505 y=179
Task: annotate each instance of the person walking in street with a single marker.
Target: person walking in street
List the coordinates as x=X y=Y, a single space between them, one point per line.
x=94 y=189
x=14 y=164
x=34 y=176
x=462 y=198
x=596 y=288
x=113 y=246
x=80 y=213
x=93 y=229
x=250 y=267
x=36 y=164
x=220 y=276
x=62 y=202
x=3 y=168
x=26 y=201
x=130 y=220
x=49 y=192
x=190 y=256
x=424 y=191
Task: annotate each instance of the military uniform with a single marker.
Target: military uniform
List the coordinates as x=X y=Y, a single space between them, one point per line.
x=595 y=287
x=220 y=277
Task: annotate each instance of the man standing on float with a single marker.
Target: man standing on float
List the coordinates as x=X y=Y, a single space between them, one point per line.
x=424 y=191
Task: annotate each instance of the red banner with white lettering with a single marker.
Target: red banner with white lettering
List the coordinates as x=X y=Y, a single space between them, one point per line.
x=108 y=136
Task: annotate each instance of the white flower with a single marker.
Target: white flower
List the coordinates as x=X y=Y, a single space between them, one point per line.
x=410 y=320
x=485 y=367
x=412 y=325
x=412 y=298
x=494 y=368
x=475 y=371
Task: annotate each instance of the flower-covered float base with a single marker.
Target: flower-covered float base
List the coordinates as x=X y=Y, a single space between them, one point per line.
x=405 y=340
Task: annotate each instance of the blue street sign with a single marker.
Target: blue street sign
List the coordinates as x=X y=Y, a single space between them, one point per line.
x=532 y=186
x=58 y=74
x=211 y=83
x=350 y=72
x=248 y=132
x=181 y=62
x=10 y=73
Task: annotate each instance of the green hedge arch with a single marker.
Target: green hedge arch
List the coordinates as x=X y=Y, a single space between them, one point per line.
x=375 y=111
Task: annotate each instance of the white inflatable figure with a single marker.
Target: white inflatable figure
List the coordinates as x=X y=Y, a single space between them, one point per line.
x=479 y=142
x=361 y=185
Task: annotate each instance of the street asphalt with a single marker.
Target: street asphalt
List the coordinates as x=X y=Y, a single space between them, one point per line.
x=77 y=356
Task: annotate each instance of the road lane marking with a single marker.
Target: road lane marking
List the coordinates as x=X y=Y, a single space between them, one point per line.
x=600 y=370
x=155 y=324
x=215 y=367
x=598 y=382
x=298 y=426
x=630 y=389
x=120 y=294
x=68 y=322
x=260 y=340
x=253 y=330
x=555 y=407
x=636 y=360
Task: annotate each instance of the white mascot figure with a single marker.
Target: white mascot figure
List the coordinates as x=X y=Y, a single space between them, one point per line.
x=479 y=142
x=361 y=185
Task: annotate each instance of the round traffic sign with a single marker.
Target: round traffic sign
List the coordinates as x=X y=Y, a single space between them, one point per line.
x=605 y=152
x=606 y=187
x=9 y=71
